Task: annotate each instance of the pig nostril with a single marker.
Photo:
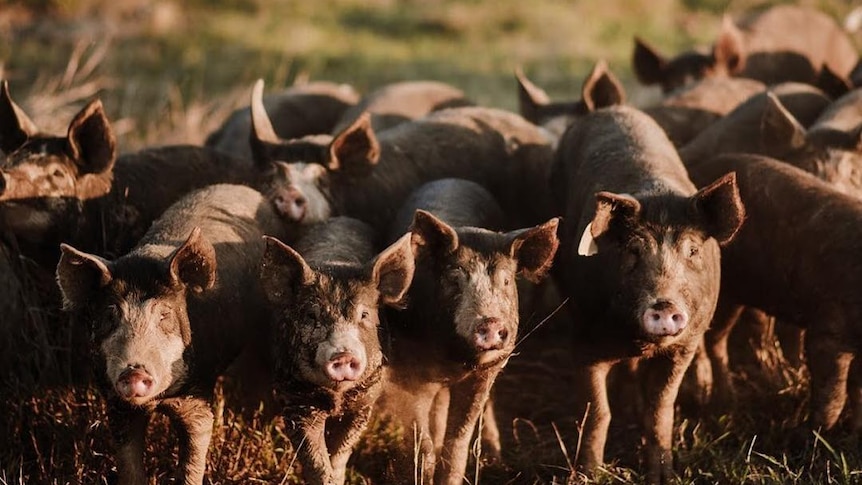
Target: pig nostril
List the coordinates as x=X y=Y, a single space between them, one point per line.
x=300 y=202
x=677 y=317
x=656 y=317
x=503 y=334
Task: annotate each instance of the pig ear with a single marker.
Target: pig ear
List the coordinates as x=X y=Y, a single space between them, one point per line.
x=262 y=135
x=392 y=271
x=355 y=150
x=778 y=127
x=610 y=207
x=80 y=275
x=91 y=141
x=194 y=263
x=431 y=234
x=530 y=97
x=15 y=127
x=281 y=270
x=729 y=49
x=602 y=89
x=534 y=249
x=832 y=84
x=649 y=65
x=719 y=208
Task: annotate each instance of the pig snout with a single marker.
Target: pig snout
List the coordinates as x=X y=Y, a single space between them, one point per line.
x=344 y=366
x=134 y=382
x=290 y=203
x=664 y=319
x=491 y=334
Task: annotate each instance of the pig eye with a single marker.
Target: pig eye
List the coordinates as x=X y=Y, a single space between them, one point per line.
x=58 y=174
x=164 y=316
x=693 y=251
x=364 y=314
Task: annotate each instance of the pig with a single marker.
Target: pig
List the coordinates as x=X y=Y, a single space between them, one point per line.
x=166 y=319
x=640 y=264
x=361 y=174
x=75 y=189
x=324 y=297
x=686 y=112
x=600 y=89
x=753 y=127
x=307 y=109
x=461 y=325
x=779 y=44
x=807 y=280
x=403 y=101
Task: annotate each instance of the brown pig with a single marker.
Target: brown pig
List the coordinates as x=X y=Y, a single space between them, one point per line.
x=325 y=297
x=773 y=45
x=461 y=325
x=796 y=259
x=362 y=174
x=169 y=317
x=403 y=101
x=639 y=260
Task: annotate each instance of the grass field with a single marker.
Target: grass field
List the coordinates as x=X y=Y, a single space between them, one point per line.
x=171 y=71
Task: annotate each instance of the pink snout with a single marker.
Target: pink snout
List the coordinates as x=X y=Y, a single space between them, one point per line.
x=491 y=334
x=344 y=366
x=290 y=203
x=134 y=382
x=664 y=319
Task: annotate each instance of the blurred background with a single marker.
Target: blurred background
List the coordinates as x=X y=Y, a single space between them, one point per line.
x=169 y=71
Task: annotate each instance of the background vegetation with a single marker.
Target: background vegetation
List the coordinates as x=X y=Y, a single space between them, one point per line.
x=170 y=71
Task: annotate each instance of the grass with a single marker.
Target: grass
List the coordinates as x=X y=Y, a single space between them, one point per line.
x=170 y=72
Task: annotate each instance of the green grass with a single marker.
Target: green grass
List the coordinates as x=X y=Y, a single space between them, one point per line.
x=170 y=74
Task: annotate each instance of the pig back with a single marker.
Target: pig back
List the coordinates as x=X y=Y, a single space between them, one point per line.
x=231 y=314
x=338 y=240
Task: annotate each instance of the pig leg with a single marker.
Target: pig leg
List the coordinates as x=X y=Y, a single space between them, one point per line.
x=439 y=415
x=663 y=376
x=490 y=433
x=698 y=385
x=343 y=435
x=466 y=403
x=723 y=321
x=854 y=389
x=193 y=419
x=593 y=407
x=829 y=368
x=306 y=434
x=128 y=429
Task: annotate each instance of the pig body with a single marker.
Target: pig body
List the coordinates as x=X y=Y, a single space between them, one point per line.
x=328 y=359
x=360 y=174
x=460 y=327
x=168 y=318
x=778 y=44
x=297 y=111
x=640 y=264
x=809 y=280
x=396 y=103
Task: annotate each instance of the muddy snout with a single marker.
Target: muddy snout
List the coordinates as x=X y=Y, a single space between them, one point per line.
x=134 y=382
x=345 y=366
x=664 y=319
x=290 y=203
x=490 y=334
x=342 y=358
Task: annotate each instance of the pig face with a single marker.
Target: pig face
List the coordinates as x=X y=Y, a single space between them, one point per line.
x=475 y=273
x=327 y=319
x=43 y=179
x=295 y=175
x=661 y=255
x=137 y=313
x=726 y=59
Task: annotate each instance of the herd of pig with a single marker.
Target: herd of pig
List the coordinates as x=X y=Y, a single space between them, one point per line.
x=352 y=258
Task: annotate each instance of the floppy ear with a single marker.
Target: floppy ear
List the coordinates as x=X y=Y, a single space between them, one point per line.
x=779 y=129
x=648 y=64
x=729 y=49
x=355 y=150
x=428 y=233
x=610 y=208
x=832 y=84
x=392 y=271
x=719 y=208
x=262 y=135
x=282 y=270
x=530 y=97
x=91 y=141
x=602 y=89
x=194 y=263
x=80 y=275
x=15 y=127
x=534 y=249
